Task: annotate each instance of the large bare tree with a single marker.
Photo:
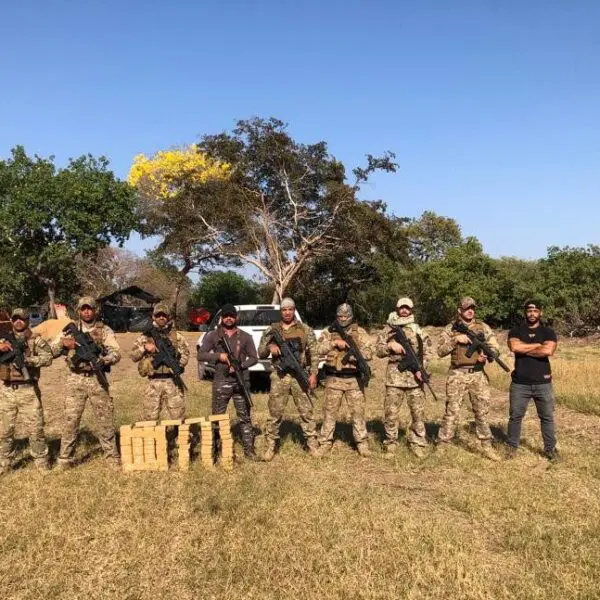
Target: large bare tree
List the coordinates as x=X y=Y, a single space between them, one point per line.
x=289 y=199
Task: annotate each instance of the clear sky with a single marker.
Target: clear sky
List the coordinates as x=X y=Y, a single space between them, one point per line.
x=492 y=106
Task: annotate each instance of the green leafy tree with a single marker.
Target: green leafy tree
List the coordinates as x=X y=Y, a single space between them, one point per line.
x=431 y=236
x=50 y=216
x=222 y=287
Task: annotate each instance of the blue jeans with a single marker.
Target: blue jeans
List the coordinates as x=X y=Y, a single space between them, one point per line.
x=543 y=396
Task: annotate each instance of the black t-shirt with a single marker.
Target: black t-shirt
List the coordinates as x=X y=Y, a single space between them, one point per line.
x=532 y=370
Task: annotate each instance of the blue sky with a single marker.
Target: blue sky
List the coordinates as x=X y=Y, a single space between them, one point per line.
x=492 y=107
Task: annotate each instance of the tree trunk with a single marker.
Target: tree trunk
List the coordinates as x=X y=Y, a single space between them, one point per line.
x=277 y=295
x=51 y=298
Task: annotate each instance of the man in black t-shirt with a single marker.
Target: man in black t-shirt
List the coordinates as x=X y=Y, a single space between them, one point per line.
x=532 y=343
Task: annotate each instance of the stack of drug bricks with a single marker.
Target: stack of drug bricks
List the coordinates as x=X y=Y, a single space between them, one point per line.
x=144 y=444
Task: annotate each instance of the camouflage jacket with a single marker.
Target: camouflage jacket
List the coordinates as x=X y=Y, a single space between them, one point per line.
x=37 y=354
x=102 y=335
x=300 y=335
x=449 y=345
x=334 y=356
x=139 y=355
x=422 y=346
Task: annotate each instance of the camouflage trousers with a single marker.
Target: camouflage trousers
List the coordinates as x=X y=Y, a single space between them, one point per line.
x=79 y=390
x=336 y=388
x=21 y=400
x=163 y=395
x=281 y=388
x=394 y=397
x=457 y=385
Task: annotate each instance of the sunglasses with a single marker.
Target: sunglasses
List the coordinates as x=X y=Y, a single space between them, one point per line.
x=163 y=315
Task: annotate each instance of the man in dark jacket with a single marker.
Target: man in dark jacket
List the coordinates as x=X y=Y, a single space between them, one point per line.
x=225 y=386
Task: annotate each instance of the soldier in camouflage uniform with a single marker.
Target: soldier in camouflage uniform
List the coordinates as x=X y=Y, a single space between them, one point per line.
x=19 y=392
x=342 y=380
x=83 y=385
x=225 y=386
x=161 y=393
x=467 y=375
x=401 y=383
x=302 y=340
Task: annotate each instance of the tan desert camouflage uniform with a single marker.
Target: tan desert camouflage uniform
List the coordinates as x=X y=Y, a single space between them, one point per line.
x=466 y=375
x=161 y=393
x=282 y=385
x=341 y=381
x=18 y=397
x=82 y=385
x=402 y=384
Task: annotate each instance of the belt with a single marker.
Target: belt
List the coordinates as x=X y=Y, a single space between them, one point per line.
x=476 y=369
x=84 y=373
x=341 y=374
x=16 y=384
x=161 y=376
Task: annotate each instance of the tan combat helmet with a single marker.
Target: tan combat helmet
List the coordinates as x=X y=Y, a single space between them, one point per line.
x=86 y=301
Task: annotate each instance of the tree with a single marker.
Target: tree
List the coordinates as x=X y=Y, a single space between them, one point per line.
x=50 y=216
x=292 y=198
x=221 y=287
x=431 y=236
x=183 y=199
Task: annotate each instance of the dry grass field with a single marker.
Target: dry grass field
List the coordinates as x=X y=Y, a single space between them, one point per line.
x=449 y=526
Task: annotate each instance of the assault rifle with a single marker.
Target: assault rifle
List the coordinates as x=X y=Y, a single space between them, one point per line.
x=411 y=360
x=166 y=355
x=17 y=356
x=478 y=344
x=288 y=363
x=87 y=351
x=364 y=371
x=236 y=365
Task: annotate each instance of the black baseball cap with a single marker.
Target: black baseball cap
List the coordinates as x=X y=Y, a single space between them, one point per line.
x=533 y=304
x=229 y=310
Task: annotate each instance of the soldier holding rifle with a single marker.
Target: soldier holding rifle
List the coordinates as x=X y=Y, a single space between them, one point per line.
x=404 y=377
x=233 y=353
x=347 y=349
x=162 y=354
x=22 y=354
x=293 y=347
x=91 y=349
x=466 y=340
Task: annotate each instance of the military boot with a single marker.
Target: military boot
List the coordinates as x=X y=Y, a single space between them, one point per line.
x=4 y=468
x=312 y=447
x=63 y=464
x=248 y=442
x=363 y=449
x=270 y=451
x=389 y=450
x=510 y=453
x=418 y=451
x=325 y=448
x=488 y=451
x=41 y=464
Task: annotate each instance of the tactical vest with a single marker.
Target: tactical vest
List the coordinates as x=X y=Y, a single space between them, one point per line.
x=334 y=358
x=412 y=332
x=97 y=334
x=145 y=368
x=8 y=371
x=458 y=357
x=296 y=338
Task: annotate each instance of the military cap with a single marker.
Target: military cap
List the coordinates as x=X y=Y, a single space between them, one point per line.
x=23 y=313
x=344 y=310
x=86 y=301
x=161 y=308
x=229 y=310
x=467 y=302
x=404 y=302
x=288 y=303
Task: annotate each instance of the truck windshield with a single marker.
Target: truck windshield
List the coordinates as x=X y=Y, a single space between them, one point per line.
x=252 y=318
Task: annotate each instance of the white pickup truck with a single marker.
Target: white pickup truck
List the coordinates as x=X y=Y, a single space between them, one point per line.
x=253 y=319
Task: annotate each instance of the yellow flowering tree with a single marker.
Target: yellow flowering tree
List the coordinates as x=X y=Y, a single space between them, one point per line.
x=181 y=199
